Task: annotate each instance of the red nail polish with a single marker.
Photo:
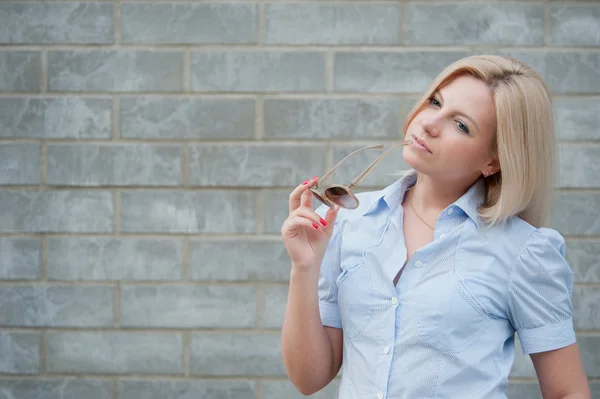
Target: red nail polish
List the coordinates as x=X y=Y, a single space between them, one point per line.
x=316 y=226
x=305 y=183
x=323 y=222
x=315 y=177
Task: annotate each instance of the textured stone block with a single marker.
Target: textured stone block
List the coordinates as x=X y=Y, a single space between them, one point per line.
x=255 y=166
x=20 y=258
x=56 y=306
x=579 y=166
x=236 y=71
x=285 y=389
x=56 y=211
x=114 y=259
x=276 y=210
x=57 y=389
x=239 y=260
x=225 y=354
x=583 y=256
x=274 y=307
x=465 y=23
x=114 y=165
x=406 y=72
x=56 y=23
x=166 y=118
x=588 y=346
x=234 y=389
x=20 y=353
x=323 y=24
x=577 y=118
x=115 y=352
x=188 y=306
x=524 y=391
x=211 y=211
x=20 y=71
x=586 y=308
x=189 y=23
x=56 y=118
x=576 y=214
x=115 y=71
x=20 y=163
x=575 y=25
x=332 y=118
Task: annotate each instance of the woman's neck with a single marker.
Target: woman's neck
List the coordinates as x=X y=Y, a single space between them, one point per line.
x=432 y=197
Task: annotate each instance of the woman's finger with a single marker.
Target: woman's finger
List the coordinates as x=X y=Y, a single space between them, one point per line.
x=296 y=195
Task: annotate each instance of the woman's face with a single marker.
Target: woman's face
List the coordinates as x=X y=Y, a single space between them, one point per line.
x=454 y=132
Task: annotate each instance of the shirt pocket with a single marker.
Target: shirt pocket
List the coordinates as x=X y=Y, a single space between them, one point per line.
x=449 y=316
x=355 y=296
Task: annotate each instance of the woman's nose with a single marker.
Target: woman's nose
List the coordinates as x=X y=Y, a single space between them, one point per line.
x=430 y=126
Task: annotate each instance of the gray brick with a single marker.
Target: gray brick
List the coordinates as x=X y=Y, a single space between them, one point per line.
x=576 y=214
x=221 y=354
x=229 y=389
x=575 y=25
x=405 y=72
x=464 y=23
x=56 y=211
x=579 y=167
x=189 y=23
x=112 y=164
x=254 y=166
x=285 y=389
x=586 y=308
x=333 y=24
x=165 y=118
x=588 y=346
x=68 y=23
x=114 y=259
x=56 y=306
x=20 y=258
x=20 y=71
x=270 y=71
x=56 y=118
x=276 y=210
x=20 y=163
x=386 y=172
x=565 y=72
x=20 y=353
x=583 y=257
x=115 y=352
x=274 y=306
x=524 y=391
x=213 y=211
x=115 y=71
x=57 y=389
x=188 y=306
x=245 y=260
x=577 y=118
x=332 y=118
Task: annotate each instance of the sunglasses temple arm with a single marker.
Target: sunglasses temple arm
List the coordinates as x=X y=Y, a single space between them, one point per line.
x=375 y=162
x=372 y=147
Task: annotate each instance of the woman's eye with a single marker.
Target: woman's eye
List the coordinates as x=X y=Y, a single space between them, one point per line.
x=433 y=101
x=462 y=127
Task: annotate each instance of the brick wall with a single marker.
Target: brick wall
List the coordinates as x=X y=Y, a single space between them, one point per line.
x=147 y=150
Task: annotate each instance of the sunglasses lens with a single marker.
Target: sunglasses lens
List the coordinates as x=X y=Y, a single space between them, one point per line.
x=341 y=197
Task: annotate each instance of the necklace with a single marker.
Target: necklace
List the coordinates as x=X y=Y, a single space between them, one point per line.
x=416 y=213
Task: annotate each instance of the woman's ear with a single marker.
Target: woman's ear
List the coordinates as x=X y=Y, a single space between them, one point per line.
x=491 y=168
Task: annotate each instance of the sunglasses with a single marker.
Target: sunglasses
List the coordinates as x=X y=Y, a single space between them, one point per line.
x=340 y=194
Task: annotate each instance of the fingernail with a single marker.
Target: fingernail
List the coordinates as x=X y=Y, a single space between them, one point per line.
x=305 y=183
x=316 y=226
x=315 y=177
x=323 y=222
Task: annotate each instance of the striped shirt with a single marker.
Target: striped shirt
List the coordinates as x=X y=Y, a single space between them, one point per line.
x=447 y=329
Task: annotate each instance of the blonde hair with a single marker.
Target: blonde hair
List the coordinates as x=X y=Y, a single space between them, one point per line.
x=525 y=140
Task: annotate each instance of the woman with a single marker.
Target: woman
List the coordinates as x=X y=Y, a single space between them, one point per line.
x=419 y=290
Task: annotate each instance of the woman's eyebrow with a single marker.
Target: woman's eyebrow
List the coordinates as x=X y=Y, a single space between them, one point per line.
x=439 y=93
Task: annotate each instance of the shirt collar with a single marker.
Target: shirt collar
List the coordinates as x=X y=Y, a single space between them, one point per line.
x=393 y=196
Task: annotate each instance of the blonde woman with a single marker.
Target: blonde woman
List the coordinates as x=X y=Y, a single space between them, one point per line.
x=418 y=289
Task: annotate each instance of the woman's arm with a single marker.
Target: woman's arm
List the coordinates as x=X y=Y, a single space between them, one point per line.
x=561 y=374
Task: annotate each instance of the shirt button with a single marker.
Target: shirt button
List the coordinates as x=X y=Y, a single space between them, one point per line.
x=380 y=395
x=386 y=350
x=450 y=211
x=418 y=263
x=394 y=300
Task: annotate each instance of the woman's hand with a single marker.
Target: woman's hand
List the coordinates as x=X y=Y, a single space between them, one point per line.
x=305 y=234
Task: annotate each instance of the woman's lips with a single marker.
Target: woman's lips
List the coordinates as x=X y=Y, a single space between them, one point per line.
x=419 y=144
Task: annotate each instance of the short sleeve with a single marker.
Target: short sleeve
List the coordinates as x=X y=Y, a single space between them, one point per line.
x=330 y=270
x=540 y=290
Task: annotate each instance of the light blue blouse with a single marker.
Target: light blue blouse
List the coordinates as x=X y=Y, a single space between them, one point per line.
x=447 y=329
